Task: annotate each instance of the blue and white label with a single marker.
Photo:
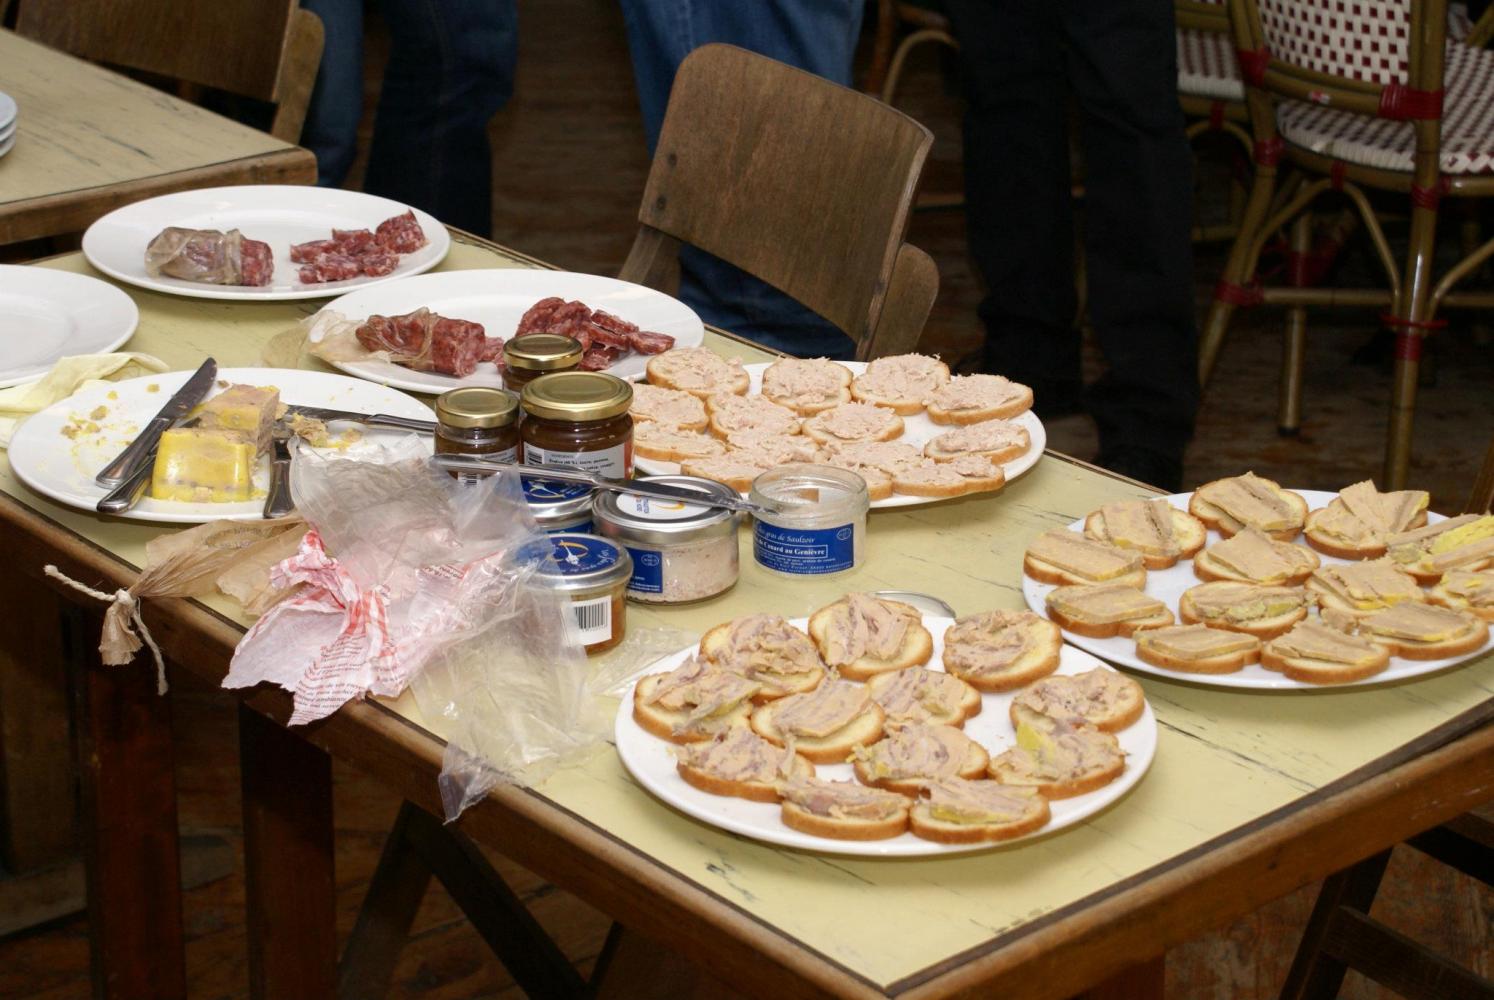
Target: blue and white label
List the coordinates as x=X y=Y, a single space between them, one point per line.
x=583 y=527
x=543 y=492
x=648 y=571
x=806 y=551
x=570 y=554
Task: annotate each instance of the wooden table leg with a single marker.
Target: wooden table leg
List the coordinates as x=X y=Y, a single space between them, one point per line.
x=1143 y=981
x=290 y=895
x=127 y=798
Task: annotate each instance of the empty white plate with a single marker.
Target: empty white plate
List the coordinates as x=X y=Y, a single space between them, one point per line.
x=46 y=315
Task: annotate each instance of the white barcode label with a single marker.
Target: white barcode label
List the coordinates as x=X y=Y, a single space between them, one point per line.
x=594 y=619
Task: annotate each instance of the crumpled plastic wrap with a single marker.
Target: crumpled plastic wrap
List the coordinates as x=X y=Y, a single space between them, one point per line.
x=326 y=334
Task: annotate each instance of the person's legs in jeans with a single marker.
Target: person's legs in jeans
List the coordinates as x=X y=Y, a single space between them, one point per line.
x=451 y=67
x=816 y=35
x=1138 y=179
x=1017 y=198
x=331 y=129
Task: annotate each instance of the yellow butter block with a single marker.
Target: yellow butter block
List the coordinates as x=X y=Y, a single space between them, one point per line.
x=204 y=465
x=247 y=408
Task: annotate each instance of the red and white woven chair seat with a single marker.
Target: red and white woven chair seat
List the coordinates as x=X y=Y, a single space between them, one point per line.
x=1467 y=123
x=1207 y=66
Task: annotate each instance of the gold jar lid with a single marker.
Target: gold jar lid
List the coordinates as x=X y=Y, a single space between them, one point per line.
x=542 y=352
x=579 y=396
x=477 y=406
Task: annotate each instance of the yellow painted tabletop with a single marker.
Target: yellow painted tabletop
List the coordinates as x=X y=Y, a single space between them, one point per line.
x=1224 y=757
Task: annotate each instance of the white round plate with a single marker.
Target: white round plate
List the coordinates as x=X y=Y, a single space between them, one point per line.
x=497 y=298
x=7 y=132
x=1168 y=586
x=7 y=143
x=61 y=466
x=650 y=760
x=46 y=315
x=7 y=108
x=918 y=430
x=277 y=214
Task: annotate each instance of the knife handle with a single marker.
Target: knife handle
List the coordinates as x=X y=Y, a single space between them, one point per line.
x=128 y=493
x=135 y=456
x=279 y=502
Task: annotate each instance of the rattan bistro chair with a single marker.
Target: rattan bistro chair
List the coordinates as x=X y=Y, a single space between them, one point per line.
x=798 y=181
x=1360 y=93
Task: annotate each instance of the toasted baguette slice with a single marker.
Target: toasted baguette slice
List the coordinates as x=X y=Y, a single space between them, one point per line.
x=997 y=440
x=1362 y=588
x=972 y=812
x=902 y=382
x=1357 y=523
x=807 y=385
x=1060 y=758
x=698 y=371
x=1464 y=542
x=1466 y=590
x=1101 y=610
x=741 y=764
x=846 y=634
x=1231 y=505
x=735 y=469
x=668 y=443
x=1264 y=612
x=915 y=753
x=843 y=810
x=1159 y=531
x=1425 y=631
x=1197 y=649
x=1251 y=556
x=1060 y=556
x=834 y=747
x=672 y=407
x=970 y=399
x=1102 y=697
x=676 y=724
x=933 y=479
x=1314 y=653
x=854 y=422
x=1001 y=650
x=730 y=414
x=921 y=695
x=878 y=482
x=791 y=666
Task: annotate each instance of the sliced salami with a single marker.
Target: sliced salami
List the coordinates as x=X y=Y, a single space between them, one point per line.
x=258 y=263
x=648 y=342
x=353 y=242
x=377 y=263
x=306 y=253
x=492 y=350
x=599 y=358
x=537 y=317
x=401 y=233
x=330 y=267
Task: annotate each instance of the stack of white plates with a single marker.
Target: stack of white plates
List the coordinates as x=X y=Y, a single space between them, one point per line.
x=7 y=123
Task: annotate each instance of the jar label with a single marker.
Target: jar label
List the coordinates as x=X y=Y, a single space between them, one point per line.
x=471 y=477
x=659 y=509
x=579 y=527
x=569 y=555
x=612 y=461
x=804 y=550
x=594 y=619
x=648 y=571
x=550 y=491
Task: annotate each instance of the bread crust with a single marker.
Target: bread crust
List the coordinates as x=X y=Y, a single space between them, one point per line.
x=756 y=791
x=658 y=372
x=1041 y=662
x=1188 y=530
x=1005 y=411
x=672 y=453
x=1217 y=520
x=1207 y=568
x=865 y=730
x=1323 y=671
x=1045 y=572
x=1413 y=650
x=1224 y=664
x=917 y=647
x=1105 y=630
x=795 y=817
x=1261 y=628
x=923 y=824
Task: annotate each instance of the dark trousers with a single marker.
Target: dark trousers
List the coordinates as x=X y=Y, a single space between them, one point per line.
x=1025 y=63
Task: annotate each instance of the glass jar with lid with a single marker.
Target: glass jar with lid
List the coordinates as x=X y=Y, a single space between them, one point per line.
x=478 y=421
x=534 y=354
x=815 y=521
x=681 y=551
x=559 y=507
x=580 y=420
x=592 y=574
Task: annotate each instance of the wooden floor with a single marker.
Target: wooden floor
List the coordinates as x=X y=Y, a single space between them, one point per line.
x=569 y=163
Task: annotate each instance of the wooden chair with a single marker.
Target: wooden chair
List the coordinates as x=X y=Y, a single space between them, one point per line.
x=1368 y=94
x=800 y=182
x=1211 y=93
x=268 y=50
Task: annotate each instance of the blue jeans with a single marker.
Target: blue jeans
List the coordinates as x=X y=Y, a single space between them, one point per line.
x=451 y=68
x=815 y=35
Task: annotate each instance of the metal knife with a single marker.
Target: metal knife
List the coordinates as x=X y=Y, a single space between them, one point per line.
x=370 y=419
x=567 y=474
x=139 y=451
x=278 y=502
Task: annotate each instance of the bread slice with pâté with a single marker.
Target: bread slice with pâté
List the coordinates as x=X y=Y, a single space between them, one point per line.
x=1252 y=556
x=767 y=650
x=1358 y=523
x=843 y=810
x=1104 y=698
x=741 y=764
x=823 y=724
x=1155 y=528
x=862 y=635
x=1316 y=653
x=1102 y=610
x=1001 y=650
x=1255 y=609
x=970 y=399
x=1466 y=590
x=1361 y=588
x=957 y=811
x=1197 y=649
x=1425 y=631
x=1231 y=505
x=914 y=753
x=922 y=695
x=693 y=702
x=1462 y=542
x=1062 y=556
x=1060 y=758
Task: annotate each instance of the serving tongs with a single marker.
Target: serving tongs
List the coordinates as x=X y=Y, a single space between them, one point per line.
x=567 y=474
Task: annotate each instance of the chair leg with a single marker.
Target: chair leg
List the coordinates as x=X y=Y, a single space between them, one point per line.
x=900 y=56
x=1315 y=975
x=1294 y=343
x=876 y=70
x=1237 y=270
x=1413 y=310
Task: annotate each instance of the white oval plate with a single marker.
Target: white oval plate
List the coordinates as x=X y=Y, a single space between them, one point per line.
x=278 y=214
x=46 y=315
x=62 y=467
x=1168 y=586
x=497 y=298
x=7 y=109
x=918 y=430
x=650 y=761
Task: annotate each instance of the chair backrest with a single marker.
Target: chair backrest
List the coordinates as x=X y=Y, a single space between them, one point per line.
x=803 y=183
x=1481 y=500
x=265 y=49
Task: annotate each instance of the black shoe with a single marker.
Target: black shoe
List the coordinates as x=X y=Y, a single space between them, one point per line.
x=1150 y=467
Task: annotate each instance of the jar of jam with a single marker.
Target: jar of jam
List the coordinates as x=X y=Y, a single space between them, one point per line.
x=534 y=354
x=479 y=421
x=592 y=574
x=579 y=420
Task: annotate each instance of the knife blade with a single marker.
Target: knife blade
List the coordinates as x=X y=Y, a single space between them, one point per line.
x=138 y=451
x=278 y=501
x=370 y=419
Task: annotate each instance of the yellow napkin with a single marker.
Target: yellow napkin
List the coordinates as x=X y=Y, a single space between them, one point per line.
x=67 y=377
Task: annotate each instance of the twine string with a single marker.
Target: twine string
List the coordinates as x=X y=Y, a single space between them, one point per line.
x=129 y=609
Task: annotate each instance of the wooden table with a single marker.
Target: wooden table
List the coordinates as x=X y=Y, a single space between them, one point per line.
x=90 y=140
x=1251 y=795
